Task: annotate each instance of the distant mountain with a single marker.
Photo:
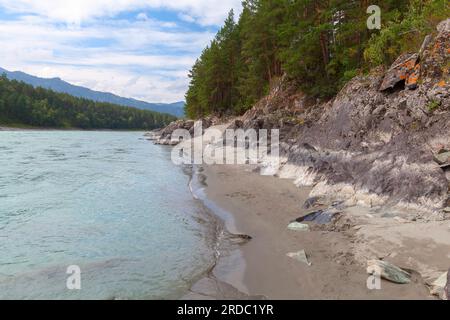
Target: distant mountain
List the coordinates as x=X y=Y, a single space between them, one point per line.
x=58 y=85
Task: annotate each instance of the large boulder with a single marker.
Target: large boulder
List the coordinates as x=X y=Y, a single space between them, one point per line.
x=165 y=137
x=404 y=69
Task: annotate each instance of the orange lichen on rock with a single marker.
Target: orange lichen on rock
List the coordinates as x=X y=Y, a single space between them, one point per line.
x=404 y=67
x=413 y=78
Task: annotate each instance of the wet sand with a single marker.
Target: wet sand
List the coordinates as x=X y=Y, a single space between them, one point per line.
x=262 y=207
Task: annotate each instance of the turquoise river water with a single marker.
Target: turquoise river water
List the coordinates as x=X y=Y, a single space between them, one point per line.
x=111 y=203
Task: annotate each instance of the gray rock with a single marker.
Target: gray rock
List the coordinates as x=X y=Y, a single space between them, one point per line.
x=300 y=256
x=296 y=226
x=388 y=271
x=320 y=217
x=442 y=158
x=312 y=202
x=401 y=69
x=440 y=287
x=425 y=44
x=447 y=287
x=444 y=26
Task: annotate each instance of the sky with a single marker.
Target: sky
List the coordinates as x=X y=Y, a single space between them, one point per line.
x=141 y=49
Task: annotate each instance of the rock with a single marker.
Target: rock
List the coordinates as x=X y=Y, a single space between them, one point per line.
x=400 y=71
x=165 y=135
x=447 y=210
x=239 y=239
x=300 y=256
x=203 y=124
x=295 y=226
x=320 y=217
x=413 y=79
x=444 y=26
x=442 y=158
x=401 y=220
x=425 y=44
x=388 y=271
x=153 y=135
x=312 y=202
x=447 y=287
x=236 y=124
x=308 y=147
x=440 y=286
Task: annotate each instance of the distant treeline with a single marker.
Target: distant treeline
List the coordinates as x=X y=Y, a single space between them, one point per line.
x=318 y=44
x=22 y=104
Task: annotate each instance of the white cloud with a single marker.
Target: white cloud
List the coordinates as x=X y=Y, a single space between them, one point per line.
x=205 y=12
x=142 y=16
x=79 y=42
x=186 y=17
x=49 y=51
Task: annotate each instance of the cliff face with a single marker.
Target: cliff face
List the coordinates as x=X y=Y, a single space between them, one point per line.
x=375 y=143
x=370 y=145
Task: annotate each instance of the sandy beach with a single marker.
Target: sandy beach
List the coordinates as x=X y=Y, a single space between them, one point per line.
x=262 y=207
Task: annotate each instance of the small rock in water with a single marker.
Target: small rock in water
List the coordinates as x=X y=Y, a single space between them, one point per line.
x=239 y=239
x=296 y=226
x=300 y=256
x=388 y=271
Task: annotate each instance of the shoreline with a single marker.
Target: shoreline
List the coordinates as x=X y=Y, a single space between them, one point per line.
x=262 y=207
x=6 y=128
x=224 y=279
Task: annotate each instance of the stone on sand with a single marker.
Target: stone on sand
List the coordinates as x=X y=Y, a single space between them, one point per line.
x=321 y=216
x=439 y=285
x=296 y=226
x=312 y=202
x=388 y=271
x=300 y=256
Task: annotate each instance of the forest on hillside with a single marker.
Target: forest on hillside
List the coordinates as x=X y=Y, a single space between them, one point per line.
x=320 y=45
x=22 y=104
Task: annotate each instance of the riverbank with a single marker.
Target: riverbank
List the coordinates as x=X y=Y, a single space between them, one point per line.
x=378 y=158
x=263 y=206
x=30 y=128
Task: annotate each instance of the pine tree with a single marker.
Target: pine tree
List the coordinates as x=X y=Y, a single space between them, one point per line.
x=318 y=44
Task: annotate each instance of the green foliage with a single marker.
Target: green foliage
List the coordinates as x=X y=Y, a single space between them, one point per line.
x=405 y=30
x=319 y=44
x=23 y=104
x=433 y=105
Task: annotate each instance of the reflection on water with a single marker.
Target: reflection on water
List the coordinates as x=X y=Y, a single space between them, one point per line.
x=109 y=202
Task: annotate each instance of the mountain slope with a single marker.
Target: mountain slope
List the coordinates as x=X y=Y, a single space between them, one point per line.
x=22 y=104
x=58 y=85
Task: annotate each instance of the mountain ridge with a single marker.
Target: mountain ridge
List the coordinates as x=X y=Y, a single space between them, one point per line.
x=59 y=85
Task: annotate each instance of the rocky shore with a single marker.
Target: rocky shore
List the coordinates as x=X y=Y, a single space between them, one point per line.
x=376 y=158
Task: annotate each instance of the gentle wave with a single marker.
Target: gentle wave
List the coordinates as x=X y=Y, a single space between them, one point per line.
x=109 y=202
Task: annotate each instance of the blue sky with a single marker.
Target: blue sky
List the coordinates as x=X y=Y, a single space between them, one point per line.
x=134 y=48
